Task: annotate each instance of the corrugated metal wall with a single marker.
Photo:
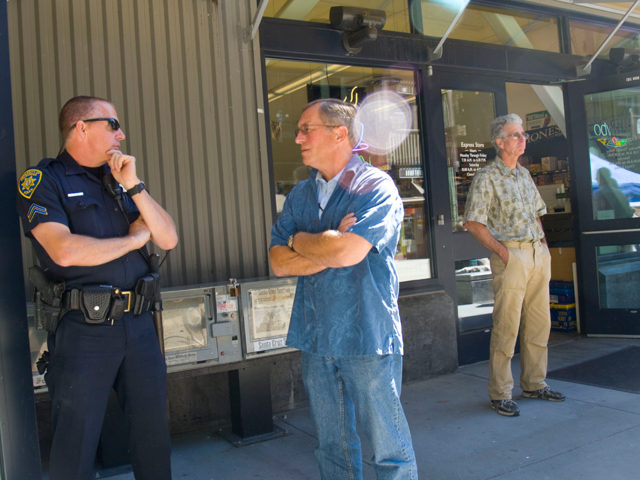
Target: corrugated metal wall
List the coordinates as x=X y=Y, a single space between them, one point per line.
x=184 y=84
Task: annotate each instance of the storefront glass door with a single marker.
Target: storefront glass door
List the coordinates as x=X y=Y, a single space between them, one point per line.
x=608 y=151
x=293 y=84
x=468 y=103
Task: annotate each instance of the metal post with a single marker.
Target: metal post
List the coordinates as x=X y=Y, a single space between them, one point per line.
x=19 y=448
x=582 y=70
x=252 y=29
x=436 y=53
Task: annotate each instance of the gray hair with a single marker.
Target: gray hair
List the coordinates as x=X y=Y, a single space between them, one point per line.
x=337 y=112
x=497 y=127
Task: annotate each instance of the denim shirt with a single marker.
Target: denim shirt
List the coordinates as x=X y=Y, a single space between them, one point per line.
x=325 y=189
x=507 y=202
x=351 y=310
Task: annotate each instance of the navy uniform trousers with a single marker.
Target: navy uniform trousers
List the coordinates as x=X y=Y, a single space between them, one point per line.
x=87 y=360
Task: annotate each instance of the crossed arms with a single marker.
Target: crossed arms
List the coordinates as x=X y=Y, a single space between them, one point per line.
x=154 y=223
x=314 y=252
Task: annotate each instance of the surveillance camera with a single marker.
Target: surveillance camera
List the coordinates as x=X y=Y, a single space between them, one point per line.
x=360 y=25
x=624 y=57
x=351 y=19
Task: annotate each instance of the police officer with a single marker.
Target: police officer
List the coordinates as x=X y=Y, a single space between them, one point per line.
x=82 y=236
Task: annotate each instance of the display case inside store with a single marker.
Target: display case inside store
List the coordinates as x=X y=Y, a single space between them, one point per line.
x=547 y=159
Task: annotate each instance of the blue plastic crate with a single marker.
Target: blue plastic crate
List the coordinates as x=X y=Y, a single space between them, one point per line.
x=563 y=317
x=561 y=292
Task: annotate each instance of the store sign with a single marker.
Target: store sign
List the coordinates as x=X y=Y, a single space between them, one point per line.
x=412 y=172
x=540 y=119
x=617 y=143
x=472 y=158
x=545 y=134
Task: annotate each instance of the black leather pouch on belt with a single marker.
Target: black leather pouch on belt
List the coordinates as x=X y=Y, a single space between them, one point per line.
x=144 y=295
x=96 y=302
x=119 y=304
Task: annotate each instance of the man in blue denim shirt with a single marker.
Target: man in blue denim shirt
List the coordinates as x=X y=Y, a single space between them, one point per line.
x=338 y=233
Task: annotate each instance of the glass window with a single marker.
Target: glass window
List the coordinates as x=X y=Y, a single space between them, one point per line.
x=487 y=25
x=586 y=38
x=613 y=126
x=318 y=11
x=291 y=85
x=474 y=282
x=541 y=108
x=619 y=276
x=467 y=120
x=185 y=325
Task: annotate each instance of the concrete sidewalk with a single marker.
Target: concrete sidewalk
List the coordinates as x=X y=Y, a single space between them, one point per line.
x=594 y=434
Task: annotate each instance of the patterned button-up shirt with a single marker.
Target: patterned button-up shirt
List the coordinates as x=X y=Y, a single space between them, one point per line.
x=508 y=204
x=351 y=310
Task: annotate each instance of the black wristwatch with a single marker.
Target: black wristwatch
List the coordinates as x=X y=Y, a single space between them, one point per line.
x=137 y=189
x=290 y=242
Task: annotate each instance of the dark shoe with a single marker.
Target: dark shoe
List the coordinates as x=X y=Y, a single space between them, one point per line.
x=507 y=407
x=545 y=394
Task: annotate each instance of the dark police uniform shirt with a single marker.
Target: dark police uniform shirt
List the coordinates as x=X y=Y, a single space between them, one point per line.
x=60 y=190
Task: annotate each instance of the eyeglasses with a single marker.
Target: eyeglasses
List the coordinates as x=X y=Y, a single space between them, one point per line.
x=113 y=123
x=304 y=128
x=517 y=136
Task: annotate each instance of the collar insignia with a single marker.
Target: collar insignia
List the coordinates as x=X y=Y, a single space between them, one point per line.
x=29 y=181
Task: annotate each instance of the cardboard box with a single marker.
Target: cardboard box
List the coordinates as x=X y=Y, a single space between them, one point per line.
x=535 y=168
x=562 y=260
x=524 y=160
x=549 y=164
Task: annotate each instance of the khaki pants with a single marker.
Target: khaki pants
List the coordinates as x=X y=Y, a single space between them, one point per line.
x=521 y=290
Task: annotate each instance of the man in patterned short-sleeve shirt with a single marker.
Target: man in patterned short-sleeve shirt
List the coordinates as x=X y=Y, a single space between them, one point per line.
x=503 y=213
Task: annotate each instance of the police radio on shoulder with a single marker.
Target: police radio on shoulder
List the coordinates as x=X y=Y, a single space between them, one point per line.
x=136 y=189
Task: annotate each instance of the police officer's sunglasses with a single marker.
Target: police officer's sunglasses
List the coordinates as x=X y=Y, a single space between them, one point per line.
x=113 y=123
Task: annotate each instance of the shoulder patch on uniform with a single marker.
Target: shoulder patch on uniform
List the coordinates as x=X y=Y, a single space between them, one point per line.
x=29 y=181
x=36 y=209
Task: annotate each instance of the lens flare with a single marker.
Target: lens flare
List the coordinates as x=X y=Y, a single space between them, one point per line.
x=385 y=118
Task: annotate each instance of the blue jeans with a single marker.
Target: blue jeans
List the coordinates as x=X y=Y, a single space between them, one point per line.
x=336 y=387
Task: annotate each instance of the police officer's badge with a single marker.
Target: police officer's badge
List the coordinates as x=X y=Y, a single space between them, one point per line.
x=29 y=181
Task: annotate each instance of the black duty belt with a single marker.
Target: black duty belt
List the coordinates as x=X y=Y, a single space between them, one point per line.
x=101 y=303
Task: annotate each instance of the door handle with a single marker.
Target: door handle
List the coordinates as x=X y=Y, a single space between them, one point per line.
x=612 y=231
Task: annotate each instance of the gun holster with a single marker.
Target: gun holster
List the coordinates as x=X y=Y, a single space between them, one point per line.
x=48 y=300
